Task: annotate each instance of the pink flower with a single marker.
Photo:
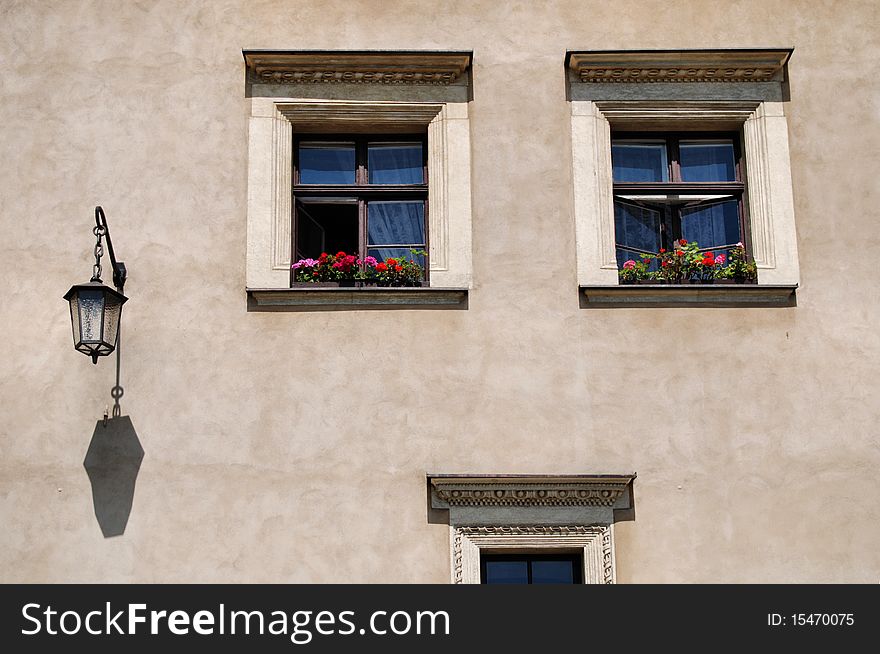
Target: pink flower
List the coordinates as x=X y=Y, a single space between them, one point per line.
x=370 y=261
x=740 y=244
x=305 y=263
x=629 y=264
x=720 y=259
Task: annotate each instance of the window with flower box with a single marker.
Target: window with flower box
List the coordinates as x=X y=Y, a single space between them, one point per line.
x=325 y=97
x=360 y=209
x=671 y=96
x=682 y=194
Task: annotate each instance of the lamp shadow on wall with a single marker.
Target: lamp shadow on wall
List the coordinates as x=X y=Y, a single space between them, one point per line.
x=112 y=463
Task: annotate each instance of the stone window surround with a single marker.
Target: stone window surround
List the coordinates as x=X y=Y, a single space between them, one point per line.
x=631 y=101
x=528 y=513
x=270 y=150
x=595 y=543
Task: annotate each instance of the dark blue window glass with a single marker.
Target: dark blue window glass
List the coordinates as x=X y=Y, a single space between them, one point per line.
x=552 y=572
x=707 y=162
x=712 y=226
x=531 y=569
x=639 y=162
x=636 y=227
x=507 y=572
x=326 y=163
x=395 y=163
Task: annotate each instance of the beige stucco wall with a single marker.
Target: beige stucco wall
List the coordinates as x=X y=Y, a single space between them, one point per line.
x=293 y=447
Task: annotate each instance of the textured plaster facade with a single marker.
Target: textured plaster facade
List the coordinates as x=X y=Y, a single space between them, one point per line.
x=293 y=446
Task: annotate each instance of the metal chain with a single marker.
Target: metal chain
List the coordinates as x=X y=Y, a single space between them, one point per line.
x=99 y=232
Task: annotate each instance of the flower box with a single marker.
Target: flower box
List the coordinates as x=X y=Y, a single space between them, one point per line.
x=687 y=264
x=349 y=271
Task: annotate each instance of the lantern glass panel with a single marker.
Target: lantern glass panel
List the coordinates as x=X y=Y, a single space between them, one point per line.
x=91 y=313
x=112 y=311
x=74 y=317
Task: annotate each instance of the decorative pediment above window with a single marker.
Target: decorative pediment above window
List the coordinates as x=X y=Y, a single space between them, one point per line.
x=530 y=499
x=348 y=67
x=751 y=65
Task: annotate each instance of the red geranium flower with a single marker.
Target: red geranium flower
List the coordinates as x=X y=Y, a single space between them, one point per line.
x=398 y=268
x=683 y=242
x=323 y=256
x=662 y=250
x=680 y=253
x=391 y=262
x=340 y=254
x=381 y=267
x=664 y=263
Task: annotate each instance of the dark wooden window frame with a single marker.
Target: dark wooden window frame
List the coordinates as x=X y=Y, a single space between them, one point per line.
x=670 y=224
x=361 y=191
x=577 y=560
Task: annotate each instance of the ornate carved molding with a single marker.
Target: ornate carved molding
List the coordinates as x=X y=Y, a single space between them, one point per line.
x=627 y=66
x=595 y=541
x=344 y=67
x=528 y=491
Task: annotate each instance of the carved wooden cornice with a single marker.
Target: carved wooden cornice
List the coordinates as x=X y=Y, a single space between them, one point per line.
x=348 y=67
x=622 y=66
x=527 y=490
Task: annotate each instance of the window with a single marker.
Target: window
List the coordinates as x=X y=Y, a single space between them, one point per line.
x=531 y=568
x=364 y=195
x=532 y=528
x=398 y=96
x=650 y=130
x=671 y=186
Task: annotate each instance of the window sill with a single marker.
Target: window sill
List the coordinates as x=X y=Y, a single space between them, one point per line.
x=690 y=295
x=380 y=297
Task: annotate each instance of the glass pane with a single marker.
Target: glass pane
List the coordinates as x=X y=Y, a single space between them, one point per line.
x=112 y=312
x=326 y=163
x=91 y=306
x=393 y=223
x=707 y=162
x=381 y=254
x=636 y=227
x=395 y=163
x=712 y=226
x=552 y=572
x=507 y=572
x=639 y=162
x=74 y=316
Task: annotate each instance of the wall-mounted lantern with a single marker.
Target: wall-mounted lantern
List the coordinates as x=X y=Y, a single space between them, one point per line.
x=96 y=309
